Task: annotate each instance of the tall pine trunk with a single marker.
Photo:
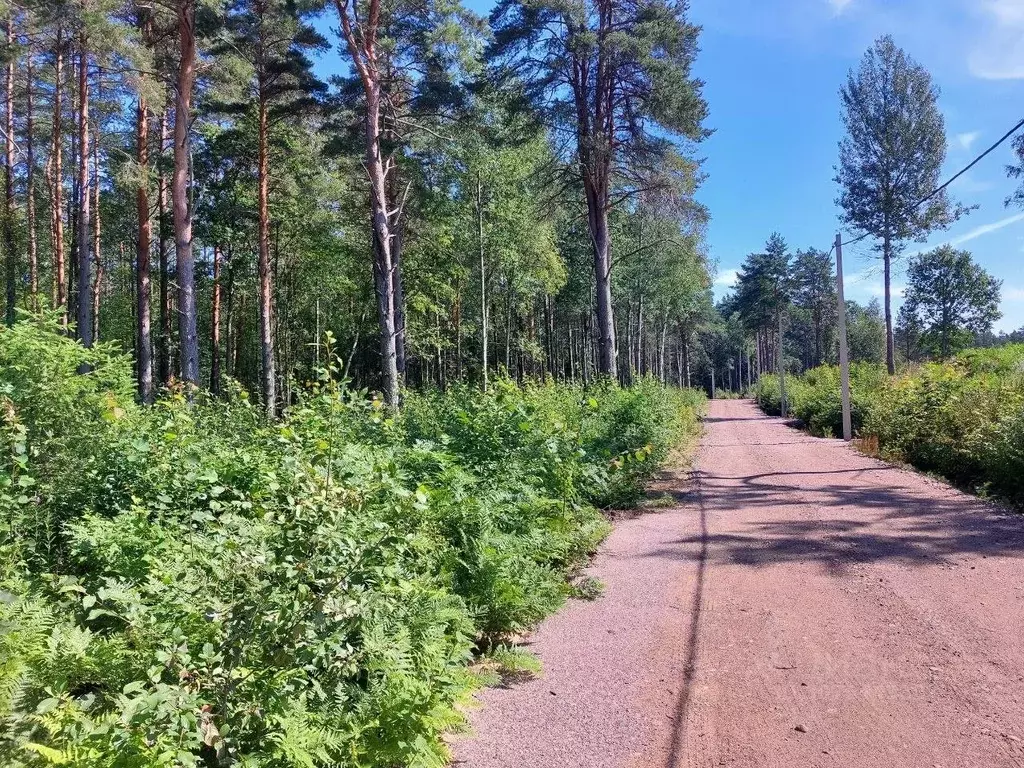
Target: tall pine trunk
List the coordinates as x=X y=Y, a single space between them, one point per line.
x=184 y=257
x=60 y=285
x=890 y=349
x=268 y=372
x=215 y=326
x=82 y=262
x=383 y=267
x=143 y=293
x=363 y=49
x=96 y=254
x=164 y=356
x=597 y=219
x=10 y=247
x=30 y=174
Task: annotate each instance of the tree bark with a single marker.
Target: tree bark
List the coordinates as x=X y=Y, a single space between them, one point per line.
x=30 y=172
x=184 y=257
x=215 y=326
x=143 y=293
x=82 y=261
x=364 y=57
x=164 y=356
x=483 y=273
x=60 y=289
x=96 y=254
x=597 y=217
x=269 y=375
x=890 y=351
x=9 y=245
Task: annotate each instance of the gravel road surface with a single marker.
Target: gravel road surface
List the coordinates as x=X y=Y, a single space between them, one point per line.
x=804 y=605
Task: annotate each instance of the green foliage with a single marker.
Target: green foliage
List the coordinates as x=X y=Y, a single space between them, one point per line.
x=187 y=584
x=949 y=298
x=962 y=419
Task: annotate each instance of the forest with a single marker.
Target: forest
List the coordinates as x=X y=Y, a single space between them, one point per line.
x=316 y=379
x=311 y=387
x=181 y=182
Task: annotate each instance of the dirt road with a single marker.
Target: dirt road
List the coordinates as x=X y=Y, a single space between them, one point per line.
x=803 y=606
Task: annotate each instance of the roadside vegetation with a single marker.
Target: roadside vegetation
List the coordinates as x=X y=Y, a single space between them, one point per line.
x=963 y=418
x=194 y=585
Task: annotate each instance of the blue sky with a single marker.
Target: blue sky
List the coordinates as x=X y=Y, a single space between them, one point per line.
x=773 y=69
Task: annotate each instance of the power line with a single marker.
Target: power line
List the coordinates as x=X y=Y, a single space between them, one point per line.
x=953 y=178
x=968 y=167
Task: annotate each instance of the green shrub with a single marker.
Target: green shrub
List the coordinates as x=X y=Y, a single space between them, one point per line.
x=186 y=584
x=963 y=418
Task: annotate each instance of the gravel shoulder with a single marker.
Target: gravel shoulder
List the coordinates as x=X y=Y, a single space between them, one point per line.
x=803 y=605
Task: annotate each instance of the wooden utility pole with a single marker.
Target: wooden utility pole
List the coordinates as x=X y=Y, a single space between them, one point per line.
x=483 y=273
x=782 y=371
x=844 y=357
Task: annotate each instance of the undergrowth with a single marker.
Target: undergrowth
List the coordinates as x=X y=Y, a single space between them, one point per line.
x=186 y=584
x=962 y=419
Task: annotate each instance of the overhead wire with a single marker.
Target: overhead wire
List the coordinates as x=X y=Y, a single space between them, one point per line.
x=949 y=181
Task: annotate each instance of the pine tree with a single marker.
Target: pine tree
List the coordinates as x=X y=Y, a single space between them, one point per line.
x=271 y=37
x=615 y=75
x=407 y=57
x=890 y=158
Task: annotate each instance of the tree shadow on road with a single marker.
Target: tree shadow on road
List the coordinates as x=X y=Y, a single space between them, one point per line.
x=863 y=516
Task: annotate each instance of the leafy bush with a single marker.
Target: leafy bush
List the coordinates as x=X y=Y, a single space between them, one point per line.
x=963 y=419
x=186 y=584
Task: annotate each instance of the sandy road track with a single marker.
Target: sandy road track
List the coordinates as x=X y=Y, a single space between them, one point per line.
x=803 y=606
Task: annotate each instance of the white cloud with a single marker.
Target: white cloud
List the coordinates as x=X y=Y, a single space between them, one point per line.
x=1013 y=294
x=984 y=229
x=896 y=290
x=727 y=278
x=965 y=140
x=998 y=53
x=838 y=6
x=968 y=185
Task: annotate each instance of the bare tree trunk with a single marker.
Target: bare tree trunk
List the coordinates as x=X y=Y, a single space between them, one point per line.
x=890 y=349
x=662 y=368
x=269 y=376
x=483 y=273
x=185 y=259
x=144 y=335
x=60 y=291
x=30 y=173
x=96 y=254
x=9 y=245
x=362 y=48
x=83 y=262
x=684 y=341
x=597 y=216
x=215 y=326
x=229 y=325
x=399 y=284
x=164 y=356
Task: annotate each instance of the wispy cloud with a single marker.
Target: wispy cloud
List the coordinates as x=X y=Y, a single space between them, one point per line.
x=969 y=185
x=1013 y=294
x=838 y=6
x=727 y=278
x=998 y=53
x=966 y=140
x=984 y=229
